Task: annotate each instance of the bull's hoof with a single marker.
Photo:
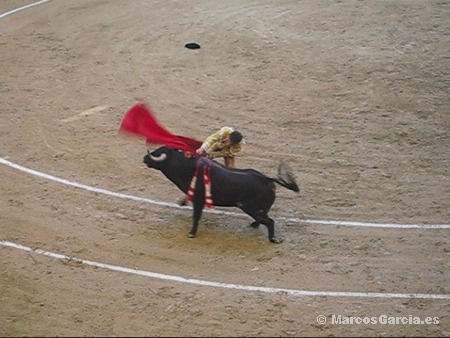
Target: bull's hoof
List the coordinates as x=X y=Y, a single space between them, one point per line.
x=191 y=235
x=255 y=224
x=276 y=240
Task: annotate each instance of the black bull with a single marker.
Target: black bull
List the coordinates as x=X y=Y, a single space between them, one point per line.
x=247 y=189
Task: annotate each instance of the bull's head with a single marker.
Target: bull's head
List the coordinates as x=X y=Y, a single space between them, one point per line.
x=156 y=158
x=173 y=164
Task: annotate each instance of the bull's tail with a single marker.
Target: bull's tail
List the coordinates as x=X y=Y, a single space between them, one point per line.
x=286 y=178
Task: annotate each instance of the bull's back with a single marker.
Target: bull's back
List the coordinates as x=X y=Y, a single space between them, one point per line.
x=232 y=187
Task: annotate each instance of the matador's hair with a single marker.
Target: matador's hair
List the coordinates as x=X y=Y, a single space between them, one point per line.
x=235 y=137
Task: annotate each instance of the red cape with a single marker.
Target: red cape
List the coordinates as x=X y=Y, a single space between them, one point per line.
x=140 y=121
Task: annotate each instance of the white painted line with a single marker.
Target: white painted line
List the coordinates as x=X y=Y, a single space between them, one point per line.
x=372 y=225
x=215 y=211
x=82 y=186
x=87 y=112
x=22 y=8
x=250 y=288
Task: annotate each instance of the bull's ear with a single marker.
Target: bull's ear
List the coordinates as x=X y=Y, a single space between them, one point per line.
x=148 y=151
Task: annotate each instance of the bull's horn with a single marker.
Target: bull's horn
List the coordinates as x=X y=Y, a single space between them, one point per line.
x=160 y=158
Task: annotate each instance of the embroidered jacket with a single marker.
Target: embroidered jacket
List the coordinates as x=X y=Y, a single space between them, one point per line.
x=215 y=146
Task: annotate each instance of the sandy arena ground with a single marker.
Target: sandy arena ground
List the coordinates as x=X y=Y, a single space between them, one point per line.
x=353 y=95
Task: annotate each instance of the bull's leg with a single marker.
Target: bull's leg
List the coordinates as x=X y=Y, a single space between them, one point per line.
x=197 y=214
x=270 y=224
x=261 y=217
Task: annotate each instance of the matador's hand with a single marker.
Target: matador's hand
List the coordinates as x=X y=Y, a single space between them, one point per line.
x=200 y=152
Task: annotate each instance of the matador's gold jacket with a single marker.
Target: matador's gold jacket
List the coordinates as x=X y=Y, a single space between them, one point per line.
x=215 y=146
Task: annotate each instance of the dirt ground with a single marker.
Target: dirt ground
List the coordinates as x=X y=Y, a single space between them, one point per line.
x=353 y=95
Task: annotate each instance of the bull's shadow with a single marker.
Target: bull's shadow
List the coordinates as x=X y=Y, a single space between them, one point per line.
x=247 y=189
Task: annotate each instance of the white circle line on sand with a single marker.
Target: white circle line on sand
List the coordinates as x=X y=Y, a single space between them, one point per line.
x=240 y=214
x=22 y=8
x=248 y=288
